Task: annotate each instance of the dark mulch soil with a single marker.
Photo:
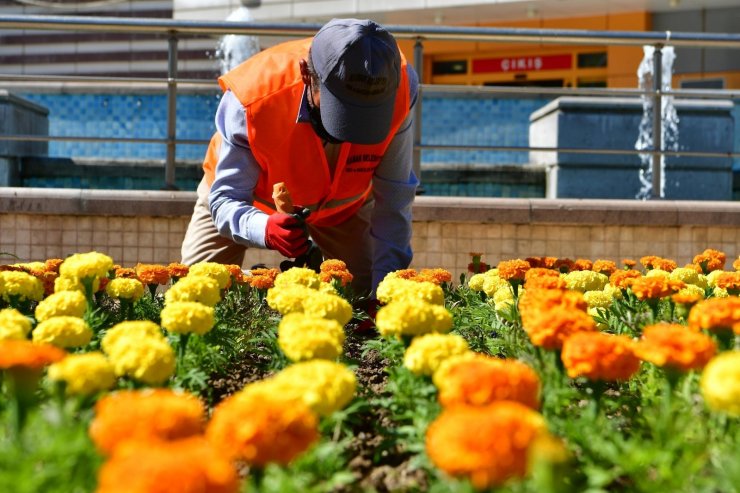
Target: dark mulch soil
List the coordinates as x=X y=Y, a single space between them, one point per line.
x=378 y=463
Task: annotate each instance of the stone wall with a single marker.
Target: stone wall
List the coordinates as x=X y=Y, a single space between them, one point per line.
x=131 y=227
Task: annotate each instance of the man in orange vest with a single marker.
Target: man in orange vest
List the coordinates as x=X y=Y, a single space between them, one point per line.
x=330 y=117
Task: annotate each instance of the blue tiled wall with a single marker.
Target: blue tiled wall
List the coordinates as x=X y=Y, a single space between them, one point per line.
x=446 y=120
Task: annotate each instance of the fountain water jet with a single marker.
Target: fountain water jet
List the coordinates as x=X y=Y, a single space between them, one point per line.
x=233 y=49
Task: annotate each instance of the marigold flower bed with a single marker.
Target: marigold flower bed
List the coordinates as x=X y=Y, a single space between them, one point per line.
x=538 y=374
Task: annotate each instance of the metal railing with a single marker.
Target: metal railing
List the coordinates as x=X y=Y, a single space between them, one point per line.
x=175 y=29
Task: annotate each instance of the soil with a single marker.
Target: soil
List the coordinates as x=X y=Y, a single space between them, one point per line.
x=377 y=463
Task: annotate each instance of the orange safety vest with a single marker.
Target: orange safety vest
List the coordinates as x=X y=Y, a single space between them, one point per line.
x=270 y=87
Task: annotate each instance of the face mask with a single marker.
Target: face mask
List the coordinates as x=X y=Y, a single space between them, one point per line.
x=314 y=116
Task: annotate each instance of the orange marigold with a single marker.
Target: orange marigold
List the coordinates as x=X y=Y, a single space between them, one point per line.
x=343 y=276
x=263 y=271
x=687 y=298
x=481 y=381
x=261 y=281
x=653 y=288
x=729 y=281
x=628 y=263
x=564 y=265
x=599 y=356
x=20 y=353
x=622 y=278
x=695 y=267
x=533 y=302
x=710 y=260
x=262 y=428
x=189 y=465
x=332 y=264
x=536 y=272
x=550 y=328
x=437 y=276
x=47 y=278
x=675 y=346
x=177 y=270
x=583 y=264
x=142 y=415
x=405 y=273
x=488 y=444
x=715 y=314
x=606 y=267
x=237 y=274
x=153 y=273
x=546 y=282
x=513 y=270
x=52 y=264
x=124 y=272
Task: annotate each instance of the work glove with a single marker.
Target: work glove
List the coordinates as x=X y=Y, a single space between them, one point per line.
x=287 y=234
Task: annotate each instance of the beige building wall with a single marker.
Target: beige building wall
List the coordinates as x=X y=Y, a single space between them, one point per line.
x=131 y=227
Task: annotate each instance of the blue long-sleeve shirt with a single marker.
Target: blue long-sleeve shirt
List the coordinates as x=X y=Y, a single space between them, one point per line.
x=237 y=172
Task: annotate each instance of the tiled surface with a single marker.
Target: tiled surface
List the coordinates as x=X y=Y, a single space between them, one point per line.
x=436 y=244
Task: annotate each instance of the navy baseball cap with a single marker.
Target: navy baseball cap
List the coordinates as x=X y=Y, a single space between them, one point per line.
x=359 y=65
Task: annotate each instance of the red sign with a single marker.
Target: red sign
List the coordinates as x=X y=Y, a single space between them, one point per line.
x=523 y=63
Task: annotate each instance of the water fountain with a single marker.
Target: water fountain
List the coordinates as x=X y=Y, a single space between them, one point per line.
x=646 y=76
x=233 y=49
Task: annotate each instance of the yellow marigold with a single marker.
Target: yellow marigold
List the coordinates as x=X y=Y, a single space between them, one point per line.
x=488 y=445
x=187 y=317
x=710 y=260
x=28 y=355
x=86 y=265
x=412 y=317
x=653 y=288
x=84 y=373
x=64 y=283
x=585 y=280
x=214 y=270
x=188 y=465
x=436 y=276
x=492 y=283
x=303 y=337
x=599 y=356
x=262 y=428
x=13 y=324
x=481 y=381
x=202 y=289
x=720 y=383
x=328 y=306
x=598 y=299
x=613 y=291
x=325 y=386
x=143 y=415
x=550 y=328
x=428 y=351
x=69 y=303
x=689 y=276
x=396 y=289
x=736 y=264
x=688 y=295
x=125 y=289
x=503 y=298
x=288 y=298
x=20 y=285
x=715 y=314
x=476 y=281
x=712 y=277
x=298 y=275
x=135 y=329
x=139 y=350
x=675 y=346
x=513 y=270
x=657 y=272
x=152 y=273
x=623 y=278
x=606 y=267
x=177 y=270
x=63 y=331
